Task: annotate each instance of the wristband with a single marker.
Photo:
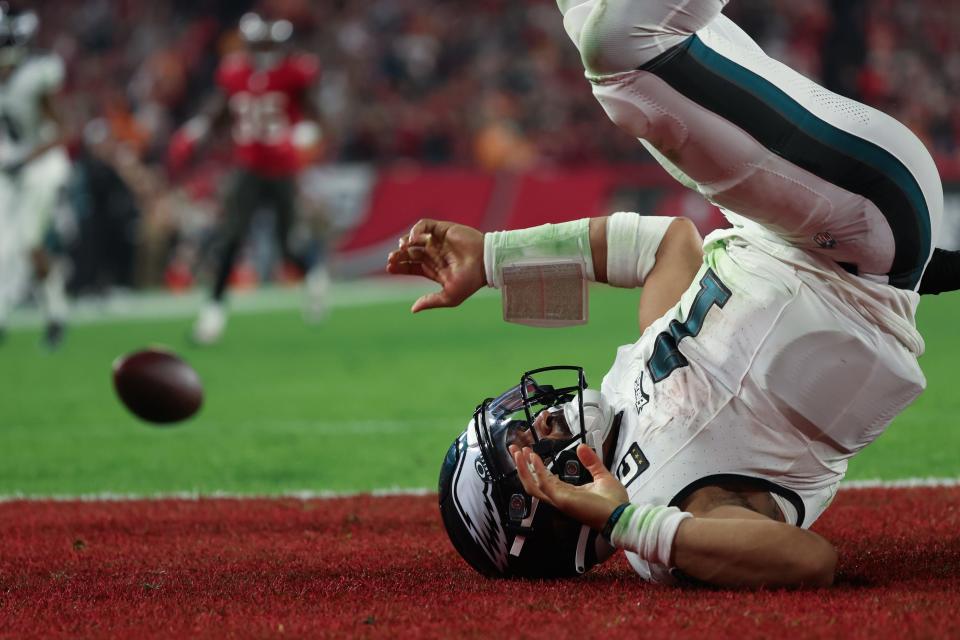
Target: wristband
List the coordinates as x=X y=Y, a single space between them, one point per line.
x=541 y=273
x=548 y=243
x=648 y=531
x=612 y=521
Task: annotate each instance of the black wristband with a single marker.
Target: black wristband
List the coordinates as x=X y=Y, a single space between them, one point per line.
x=607 y=530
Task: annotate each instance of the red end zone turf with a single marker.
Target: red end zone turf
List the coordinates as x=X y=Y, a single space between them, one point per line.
x=382 y=567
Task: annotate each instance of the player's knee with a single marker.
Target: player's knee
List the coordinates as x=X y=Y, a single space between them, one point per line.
x=566 y=5
x=622 y=35
x=605 y=40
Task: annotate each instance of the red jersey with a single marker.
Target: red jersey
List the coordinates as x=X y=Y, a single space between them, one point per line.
x=265 y=105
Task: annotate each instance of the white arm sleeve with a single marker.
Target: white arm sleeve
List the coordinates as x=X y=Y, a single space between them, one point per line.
x=632 y=243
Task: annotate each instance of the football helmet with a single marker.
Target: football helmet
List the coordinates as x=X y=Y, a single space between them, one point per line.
x=265 y=39
x=16 y=31
x=493 y=524
x=255 y=30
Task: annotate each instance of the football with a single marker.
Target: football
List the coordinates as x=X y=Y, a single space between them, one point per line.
x=157 y=386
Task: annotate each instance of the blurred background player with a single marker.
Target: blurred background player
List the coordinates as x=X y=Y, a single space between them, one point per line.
x=265 y=94
x=34 y=169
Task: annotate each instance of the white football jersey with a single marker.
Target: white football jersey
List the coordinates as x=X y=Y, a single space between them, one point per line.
x=776 y=365
x=23 y=124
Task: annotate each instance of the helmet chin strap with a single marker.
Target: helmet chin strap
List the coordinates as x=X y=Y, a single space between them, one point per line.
x=548 y=449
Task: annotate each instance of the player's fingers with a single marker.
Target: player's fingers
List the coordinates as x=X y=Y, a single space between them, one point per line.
x=428 y=271
x=422 y=227
x=416 y=262
x=398 y=256
x=419 y=240
x=527 y=479
x=413 y=253
x=591 y=461
x=539 y=468
x=434 y=300
x=407 y=269
x=407 y=251
x=418 y=253
x=531 y=485
x=418 y=244
x=545 y=479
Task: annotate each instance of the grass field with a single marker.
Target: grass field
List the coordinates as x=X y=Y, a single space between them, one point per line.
x=369 y=399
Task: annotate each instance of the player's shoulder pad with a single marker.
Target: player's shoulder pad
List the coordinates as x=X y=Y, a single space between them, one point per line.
x=45 y=71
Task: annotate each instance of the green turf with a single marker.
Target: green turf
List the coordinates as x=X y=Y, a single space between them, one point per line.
x=369 y=399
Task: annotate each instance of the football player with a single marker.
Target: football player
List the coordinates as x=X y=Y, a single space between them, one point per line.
x=34 y=169
x=722 y=434
x=265 y=96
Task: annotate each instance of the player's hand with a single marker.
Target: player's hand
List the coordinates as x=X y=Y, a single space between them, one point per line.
x=450 y=254
x=590 y=504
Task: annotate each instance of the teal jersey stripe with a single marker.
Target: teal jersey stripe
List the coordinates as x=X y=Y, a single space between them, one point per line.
x=827 y=134
x=785 y=127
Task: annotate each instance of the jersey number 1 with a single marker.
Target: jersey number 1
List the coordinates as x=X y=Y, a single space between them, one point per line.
x=666 y=356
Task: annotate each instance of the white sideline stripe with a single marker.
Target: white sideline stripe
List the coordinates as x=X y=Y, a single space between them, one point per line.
x=906 y=483
x=216 y=495
x=148 y=306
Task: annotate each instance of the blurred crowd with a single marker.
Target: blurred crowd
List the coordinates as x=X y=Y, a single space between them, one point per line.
x=489 y=83
x=492 y=84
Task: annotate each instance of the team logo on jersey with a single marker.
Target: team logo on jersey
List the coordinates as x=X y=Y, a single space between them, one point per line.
x=824 y=240
x=632 y=465
x=641 y=397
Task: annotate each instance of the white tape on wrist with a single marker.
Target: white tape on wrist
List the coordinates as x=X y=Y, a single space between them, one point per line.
x=568 y=242
x=632 y=243
x=649 y=531
x=541 y=272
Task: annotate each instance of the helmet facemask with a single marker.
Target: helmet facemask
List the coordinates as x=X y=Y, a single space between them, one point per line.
x=499 y=421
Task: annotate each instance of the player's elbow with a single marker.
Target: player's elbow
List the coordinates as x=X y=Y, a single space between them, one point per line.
x=682 y=241
x=817 y=566
x=685 y=234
